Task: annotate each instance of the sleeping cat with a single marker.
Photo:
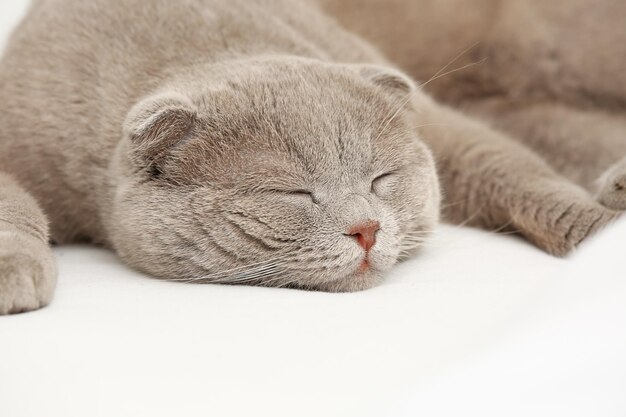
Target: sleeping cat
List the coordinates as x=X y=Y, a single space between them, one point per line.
x=242 y=141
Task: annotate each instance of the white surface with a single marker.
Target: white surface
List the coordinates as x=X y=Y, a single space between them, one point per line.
x=477 y=325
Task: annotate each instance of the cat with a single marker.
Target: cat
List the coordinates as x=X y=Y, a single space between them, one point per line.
x=245 y=141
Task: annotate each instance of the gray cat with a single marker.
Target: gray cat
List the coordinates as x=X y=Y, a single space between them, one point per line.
x=245 y=141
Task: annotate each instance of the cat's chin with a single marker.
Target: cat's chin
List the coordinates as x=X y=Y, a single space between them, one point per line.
x=358 y=281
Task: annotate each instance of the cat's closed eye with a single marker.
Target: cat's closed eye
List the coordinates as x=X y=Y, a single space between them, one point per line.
x=296 y=192
x=301 y=193
x=380 y=184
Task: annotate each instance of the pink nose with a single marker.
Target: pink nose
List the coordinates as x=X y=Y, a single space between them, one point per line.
x=365 y=233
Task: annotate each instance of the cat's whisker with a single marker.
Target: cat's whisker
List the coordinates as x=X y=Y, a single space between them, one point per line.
x=471 y=64
x=432 y=124
x=436 y=76
x=229 y=273
x=256 y=277
x=424 y=239
x=281 y=266
x=258 y=273
x=455 y=203
x=459 y=55
x=241 y=278
x=472 y=217
x=424 y=234
x=412 y=242
x=256 y=264
x=423 y=231
x=416 y=243
x=248 y=276
x=419 y=244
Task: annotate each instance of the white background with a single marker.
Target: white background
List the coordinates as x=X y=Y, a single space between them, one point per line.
x=476 y=325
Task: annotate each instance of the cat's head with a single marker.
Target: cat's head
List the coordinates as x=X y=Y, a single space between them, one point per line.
x=281 y=173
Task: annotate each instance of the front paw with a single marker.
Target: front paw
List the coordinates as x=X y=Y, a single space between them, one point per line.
x=612 y=191
x=27 y=274
x=558 y=222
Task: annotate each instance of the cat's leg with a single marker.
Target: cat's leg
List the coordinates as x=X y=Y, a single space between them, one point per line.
x=490 y=180
x=27 y=266
x=585 y=146
x=580 y=144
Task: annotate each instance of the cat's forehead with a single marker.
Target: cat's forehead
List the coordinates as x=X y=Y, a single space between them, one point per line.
x=326 y=143
x=319 y=125
x=300 y=91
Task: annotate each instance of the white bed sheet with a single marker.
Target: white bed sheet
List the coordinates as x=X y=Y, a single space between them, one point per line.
x=478 y=324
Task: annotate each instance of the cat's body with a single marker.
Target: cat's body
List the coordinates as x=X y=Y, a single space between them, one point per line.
x=243 y=141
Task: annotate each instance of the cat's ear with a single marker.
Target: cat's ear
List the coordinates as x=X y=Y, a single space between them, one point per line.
x=156 y=125
x=393 y=82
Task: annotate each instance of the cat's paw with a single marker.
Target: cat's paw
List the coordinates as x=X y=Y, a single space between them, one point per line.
x=27 y=274
x=558 y=222
x=612 y=191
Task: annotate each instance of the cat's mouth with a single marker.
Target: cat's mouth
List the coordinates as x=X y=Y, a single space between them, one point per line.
x=366 y=272
x=364 y=266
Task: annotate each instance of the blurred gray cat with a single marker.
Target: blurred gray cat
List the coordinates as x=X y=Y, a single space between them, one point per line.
x=243 y=141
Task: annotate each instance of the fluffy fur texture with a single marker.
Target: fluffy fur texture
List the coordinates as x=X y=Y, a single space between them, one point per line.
x=249 y=142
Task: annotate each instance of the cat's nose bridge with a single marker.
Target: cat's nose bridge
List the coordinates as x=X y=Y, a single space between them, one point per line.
x=355 y=207
x=356 y=212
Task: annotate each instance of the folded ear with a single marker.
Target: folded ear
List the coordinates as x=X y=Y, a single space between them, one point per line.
x=393 y=82
x=157 y=124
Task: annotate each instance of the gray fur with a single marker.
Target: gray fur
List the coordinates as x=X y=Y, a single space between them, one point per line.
x=241 y=142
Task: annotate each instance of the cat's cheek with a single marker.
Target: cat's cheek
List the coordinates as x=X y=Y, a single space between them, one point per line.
x=383 y=259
